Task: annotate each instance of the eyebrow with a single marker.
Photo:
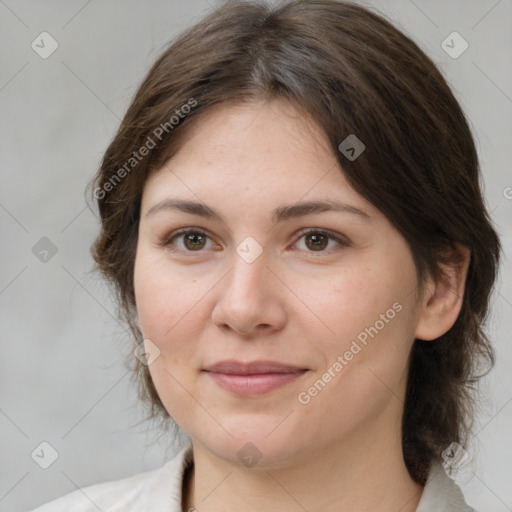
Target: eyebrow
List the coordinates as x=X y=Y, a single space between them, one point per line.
x=279 y=214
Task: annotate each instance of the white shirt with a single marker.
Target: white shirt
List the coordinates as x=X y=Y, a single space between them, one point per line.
x=159 y=490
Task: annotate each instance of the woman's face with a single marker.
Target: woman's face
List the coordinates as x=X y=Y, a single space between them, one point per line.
x=249 y=284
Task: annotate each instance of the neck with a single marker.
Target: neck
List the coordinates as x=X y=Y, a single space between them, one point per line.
x=364 y=472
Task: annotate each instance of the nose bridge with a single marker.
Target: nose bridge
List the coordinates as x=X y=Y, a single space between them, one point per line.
x=248 y=275
x=247 y=298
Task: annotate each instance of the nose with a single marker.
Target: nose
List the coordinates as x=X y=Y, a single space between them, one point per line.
x=251 y=299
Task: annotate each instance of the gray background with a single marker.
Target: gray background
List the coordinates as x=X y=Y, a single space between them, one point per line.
x=62 y=376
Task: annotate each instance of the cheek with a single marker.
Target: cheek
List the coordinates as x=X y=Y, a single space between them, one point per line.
x=165 y=297
x=153 y=296
x=168 y=305
x=367 y=315
x=365 y=361
x=347 y=301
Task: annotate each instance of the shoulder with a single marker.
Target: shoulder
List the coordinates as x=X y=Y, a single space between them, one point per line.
x=441 y=493
x=103 y=496
x=142 y=491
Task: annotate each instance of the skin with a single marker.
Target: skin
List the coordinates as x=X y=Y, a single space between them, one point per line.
x=294 y=303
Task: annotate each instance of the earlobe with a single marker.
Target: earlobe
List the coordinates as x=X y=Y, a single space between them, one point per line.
x=442 y=300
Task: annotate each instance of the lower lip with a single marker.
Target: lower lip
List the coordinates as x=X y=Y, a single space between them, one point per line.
x=253 y=384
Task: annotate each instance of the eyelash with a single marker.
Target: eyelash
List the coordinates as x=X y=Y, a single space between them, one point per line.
x=166 y=242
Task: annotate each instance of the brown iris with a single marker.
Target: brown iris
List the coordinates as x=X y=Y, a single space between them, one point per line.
x=196 y=240
x=319 y=241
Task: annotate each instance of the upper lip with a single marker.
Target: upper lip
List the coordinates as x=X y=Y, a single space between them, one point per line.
x=253 y=367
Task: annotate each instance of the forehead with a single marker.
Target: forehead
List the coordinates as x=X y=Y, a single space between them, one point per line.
x=255 y=153
x=266 y=130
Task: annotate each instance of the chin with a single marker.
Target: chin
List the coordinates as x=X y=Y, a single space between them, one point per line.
x=254 y=448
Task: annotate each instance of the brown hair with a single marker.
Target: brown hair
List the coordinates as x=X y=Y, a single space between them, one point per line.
x=352 y=72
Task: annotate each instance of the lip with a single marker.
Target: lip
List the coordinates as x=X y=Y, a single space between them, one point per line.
x=253 y=378
x=251 y=385
x=233 y=367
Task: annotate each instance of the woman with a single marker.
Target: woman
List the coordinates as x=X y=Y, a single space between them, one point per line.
x=292 y=220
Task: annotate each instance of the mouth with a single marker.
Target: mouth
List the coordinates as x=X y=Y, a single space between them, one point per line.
x=254 y=378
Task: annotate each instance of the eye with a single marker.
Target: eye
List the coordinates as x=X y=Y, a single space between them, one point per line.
x=316 y=240
x=193 y=240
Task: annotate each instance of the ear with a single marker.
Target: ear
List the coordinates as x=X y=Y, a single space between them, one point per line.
x=442 y=300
